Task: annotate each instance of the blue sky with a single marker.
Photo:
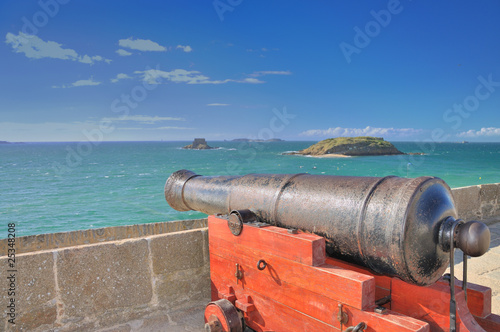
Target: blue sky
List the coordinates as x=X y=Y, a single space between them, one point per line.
x=224 y=69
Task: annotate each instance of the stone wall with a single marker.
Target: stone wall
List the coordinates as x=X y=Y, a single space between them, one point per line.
x=481 y=202
x=98 y=235
x=78 y=281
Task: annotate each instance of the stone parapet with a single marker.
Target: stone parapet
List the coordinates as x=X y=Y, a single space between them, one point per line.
x=481 y=202
x=38 y=242
x=99 y=285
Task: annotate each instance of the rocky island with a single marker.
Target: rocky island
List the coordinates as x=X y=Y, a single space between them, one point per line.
x=350 y=146
x=198 y=144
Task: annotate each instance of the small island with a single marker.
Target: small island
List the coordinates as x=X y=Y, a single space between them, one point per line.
x=350 y=146
x=198 y=144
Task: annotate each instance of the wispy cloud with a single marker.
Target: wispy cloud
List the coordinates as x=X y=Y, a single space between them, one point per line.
x=262 y=49
x=368 y=131
x=46 y=131
x=119 y=77
x=145 y=119
x=271 y=72
x=35 y=48
x=154 y=76
x=78 y=83
x=250 y=80
x=217 y=104
x=156 y=128
x=141 y=45
x=186 y=48
x=490 y=131
x=177 y=128
x=74 y=131
x=122 y=52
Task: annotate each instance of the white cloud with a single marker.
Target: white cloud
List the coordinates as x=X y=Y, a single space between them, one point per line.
x=186 y=48
x=490 y=131
x=251 y=80
x=271 y=72
x=88 y=82
x=157 y=128
x=368 y=131
x=155 y=76
x=46 y=131
x=75 y=132
x=146 y=119
x=123 y=52
x=178 y=128
x=217 y=104
x=263 y=49
x=35 y=48
x=141 y=45
x=119 y=77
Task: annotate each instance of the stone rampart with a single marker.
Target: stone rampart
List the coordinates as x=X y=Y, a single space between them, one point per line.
x=98 y=279
x=481 y=202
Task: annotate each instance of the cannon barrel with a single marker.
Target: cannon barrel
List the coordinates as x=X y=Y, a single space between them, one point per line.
x=394 y=226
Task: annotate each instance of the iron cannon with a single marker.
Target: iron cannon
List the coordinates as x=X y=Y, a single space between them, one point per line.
x=394 y=226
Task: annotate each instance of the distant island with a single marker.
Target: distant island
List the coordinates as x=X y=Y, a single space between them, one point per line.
x=5 y=142
x=198 y=144
x=257 y=140
x=350 y=146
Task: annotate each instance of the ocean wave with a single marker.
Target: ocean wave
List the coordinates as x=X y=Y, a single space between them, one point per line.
x=215 y=148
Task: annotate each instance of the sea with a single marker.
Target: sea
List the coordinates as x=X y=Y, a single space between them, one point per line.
x=59 y=187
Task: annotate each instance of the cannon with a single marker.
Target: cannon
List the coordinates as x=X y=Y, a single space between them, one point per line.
x=390 y=227
x=394 y=226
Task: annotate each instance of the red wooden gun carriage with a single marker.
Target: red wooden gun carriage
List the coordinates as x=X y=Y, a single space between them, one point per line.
x=326 y=253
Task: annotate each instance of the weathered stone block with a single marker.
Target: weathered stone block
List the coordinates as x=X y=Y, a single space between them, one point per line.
x=490 y=199
x=467 y=201
x=96 y=278
x=179 y=251
x=489 y=193
x=32 y=285
x=124 y=314
x=180 y=288
x=487 y=210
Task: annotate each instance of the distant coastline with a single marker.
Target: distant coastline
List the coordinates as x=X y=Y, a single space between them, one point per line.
x=257 y=140
x=5 y=142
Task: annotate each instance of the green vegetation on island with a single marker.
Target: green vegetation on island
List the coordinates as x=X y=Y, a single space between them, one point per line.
x=351 y=146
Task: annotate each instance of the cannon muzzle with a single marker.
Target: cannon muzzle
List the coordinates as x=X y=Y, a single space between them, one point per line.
x=395 y=226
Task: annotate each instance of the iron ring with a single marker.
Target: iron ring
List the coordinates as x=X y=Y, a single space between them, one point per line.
x=261 y=265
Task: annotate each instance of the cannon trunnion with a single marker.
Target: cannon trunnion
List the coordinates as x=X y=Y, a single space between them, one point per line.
x=327 y=253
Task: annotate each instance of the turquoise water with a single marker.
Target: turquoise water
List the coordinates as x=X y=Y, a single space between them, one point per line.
x=54 y=187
